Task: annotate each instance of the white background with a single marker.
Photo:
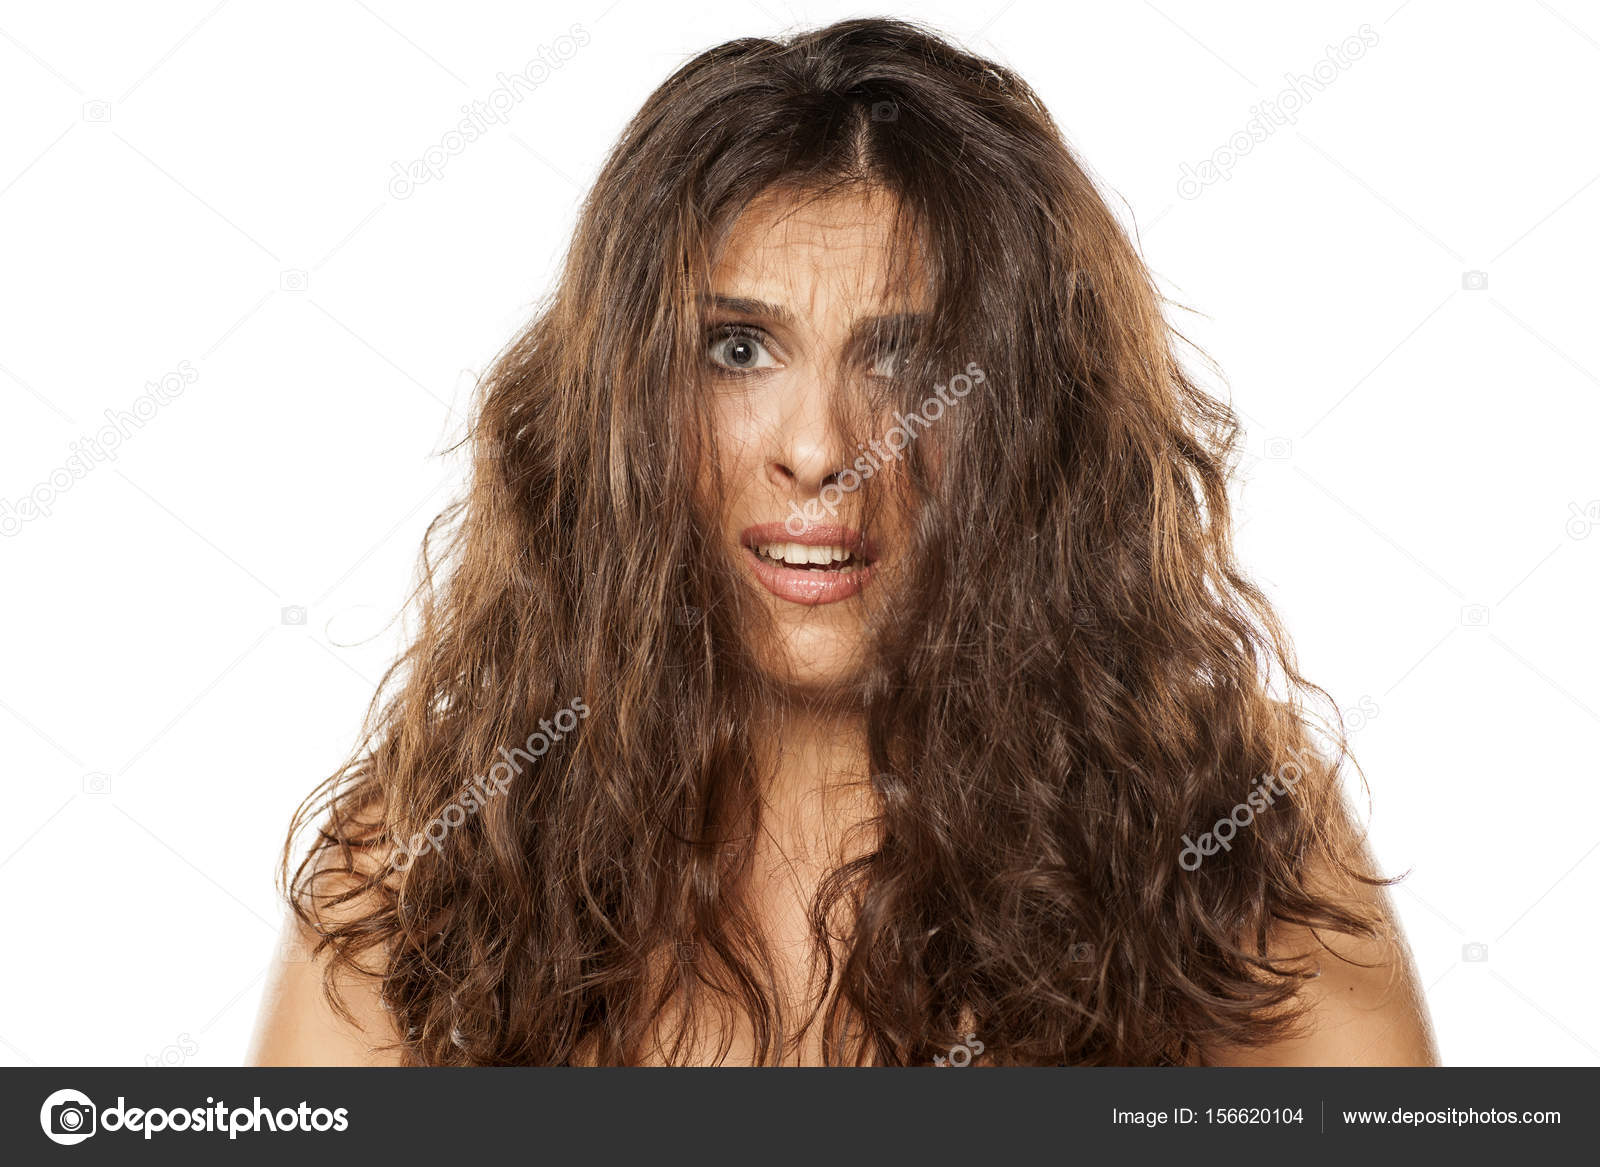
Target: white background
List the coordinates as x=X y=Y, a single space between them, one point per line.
x=210 y=183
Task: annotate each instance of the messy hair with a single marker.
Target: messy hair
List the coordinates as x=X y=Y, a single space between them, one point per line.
x=1071 y=682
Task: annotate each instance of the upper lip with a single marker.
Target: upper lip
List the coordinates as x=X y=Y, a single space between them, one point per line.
x=811 y=535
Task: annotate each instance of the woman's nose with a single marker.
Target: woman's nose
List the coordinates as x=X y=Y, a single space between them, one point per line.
x=806 y=449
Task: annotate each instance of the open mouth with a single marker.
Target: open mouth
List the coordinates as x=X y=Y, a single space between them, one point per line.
x=817 y=566
x=807 y=558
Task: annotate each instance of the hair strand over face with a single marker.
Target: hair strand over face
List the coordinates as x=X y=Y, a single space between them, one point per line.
x=1071 y=677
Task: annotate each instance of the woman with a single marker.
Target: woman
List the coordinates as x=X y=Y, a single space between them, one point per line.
x=839 y=657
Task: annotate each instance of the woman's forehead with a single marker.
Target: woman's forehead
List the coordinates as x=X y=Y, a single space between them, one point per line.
x=810 y=252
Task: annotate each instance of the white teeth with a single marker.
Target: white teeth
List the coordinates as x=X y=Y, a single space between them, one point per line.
x=800 y=553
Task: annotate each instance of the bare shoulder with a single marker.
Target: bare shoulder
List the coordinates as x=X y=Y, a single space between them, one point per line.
x=297 y=1024
x=1364 y=1008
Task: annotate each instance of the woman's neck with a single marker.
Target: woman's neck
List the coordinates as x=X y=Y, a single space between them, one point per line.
x=818 y=785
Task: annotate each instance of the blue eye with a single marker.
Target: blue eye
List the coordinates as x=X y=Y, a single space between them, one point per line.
x=740 y=350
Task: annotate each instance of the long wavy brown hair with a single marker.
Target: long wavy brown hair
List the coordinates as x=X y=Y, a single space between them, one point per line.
x=1071 y=680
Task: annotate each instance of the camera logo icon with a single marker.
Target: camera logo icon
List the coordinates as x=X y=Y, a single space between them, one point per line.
x=68 y=1117
x=294 y=615
x=1474 y=281
x=1475 y=953
x=1583 y=520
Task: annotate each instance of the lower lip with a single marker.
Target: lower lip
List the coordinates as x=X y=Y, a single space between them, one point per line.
x=802 y=586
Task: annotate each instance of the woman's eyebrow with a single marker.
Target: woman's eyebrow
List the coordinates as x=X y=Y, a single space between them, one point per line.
x=745 y=306
x=864 y=328
x=893 y=326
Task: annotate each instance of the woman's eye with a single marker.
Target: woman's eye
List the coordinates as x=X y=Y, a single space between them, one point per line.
x=740 y=352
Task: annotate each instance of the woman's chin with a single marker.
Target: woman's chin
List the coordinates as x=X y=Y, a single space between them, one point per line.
x=814 y=662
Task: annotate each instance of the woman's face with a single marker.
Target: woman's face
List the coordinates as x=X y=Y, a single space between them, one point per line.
x=801 y=318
